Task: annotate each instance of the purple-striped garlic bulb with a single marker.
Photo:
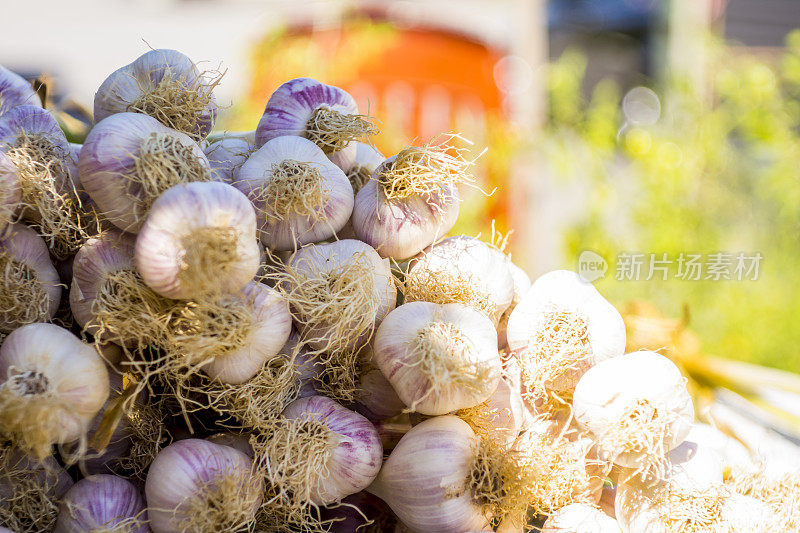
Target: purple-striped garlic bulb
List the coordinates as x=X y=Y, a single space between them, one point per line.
x=324 y=114
x=338 y=293
x=226 y=156
x=412 y=199
x=196 y=485
x=300 y=197
x=15 y=91
x=51 y=386
x=438 y=358
x=128 y=160
x=108 y=297
x=33 y=142
x=102 y=503
x=166 y=85
x=199 y=238
x=30 y=289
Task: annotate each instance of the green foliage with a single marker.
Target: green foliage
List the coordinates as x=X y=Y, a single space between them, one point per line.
x=718 y=171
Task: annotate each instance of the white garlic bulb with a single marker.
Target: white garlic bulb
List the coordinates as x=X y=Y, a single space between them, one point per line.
x=324 y=114
x=339 y=293
x=198 y=238
x=226 y=156
x=300 y=197
x=10 y=193
x=522 y=283
x=15 y=91
x=461 y=269
x=559 y=329
x=637 y=407
x=52 y=385
x=501 y=417
x=367 y=159
x=438 y=358
x=128 y=160
x=164 y=84
x=580 y=518
x=102 y=502
x=30 y=289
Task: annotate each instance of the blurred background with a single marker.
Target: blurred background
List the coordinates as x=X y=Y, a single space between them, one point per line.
x=612 y=126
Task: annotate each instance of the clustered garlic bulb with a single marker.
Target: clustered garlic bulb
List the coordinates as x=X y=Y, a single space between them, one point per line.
x=273 y=331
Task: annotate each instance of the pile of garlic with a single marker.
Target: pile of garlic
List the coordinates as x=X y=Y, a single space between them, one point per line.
x=272 y=331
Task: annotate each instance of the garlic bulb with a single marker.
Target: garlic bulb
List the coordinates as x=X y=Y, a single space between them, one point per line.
x=52 y=385
x=560 y=328
x=367 y=159
x=745 y=514
x=102 y=502
x=461 y=269
x=30 y=289
x=166 y=85
x=108 y=297
x=324 y=114
x=522 y=283
x=637 y=407
x=33 y=142
x=735 y=456
x=226 y=156
x=580 y=518
x=198 y=238
x=338 y=292
x=15 y=91
x=376 y=399
x=501 y=417
x=411 y=200
x=300 y=197
x=10 y=193
x=196 y=485
x=129 y=160
x=229 y=336
x=438 y=358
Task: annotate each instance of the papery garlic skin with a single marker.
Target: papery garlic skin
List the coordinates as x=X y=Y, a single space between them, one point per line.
x=226 y=156
x=52 y=385
x=236 y=441
x=288 y=219
x=522 y=284
x=292 y=106
x=420 y=344
x=176 y=218
x=377 y=399
x=23 y=249
x=108 y=166
x=125 y=88
x=463 y=269
x=745 y=514
x=504 y=414
x=102 y=502
x=615 y=388
x=558 y=302
x=188 y=471
x=580 y=518
x=424 y=478
x=10 y=193
x=734 y=455
x=15 y=91
x=355 y=454
x=367 y=159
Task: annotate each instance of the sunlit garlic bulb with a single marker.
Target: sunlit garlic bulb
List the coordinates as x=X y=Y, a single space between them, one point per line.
x=226 y=156
x=637 y=407
x=368 y=158
x=30 y=289
x=559 y=329
x=52 y=386
x=411 y=200
x=108 y=297
x=438 y=358
x=198 y=238
x=324 y=114
x=461 y=269
x=196 y=485
x=102 y=503
x=501 y=417
x=299 y=196
x=166 y=85
x=338 y=292
x=34 y=144
x=522 y=283
x=15 y=91
x=580 y=518
x=128 y=160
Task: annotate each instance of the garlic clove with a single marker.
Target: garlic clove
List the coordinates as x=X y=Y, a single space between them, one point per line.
x=102 y=502
x=300 y=197
x=438 y=358
x=128 y=160
x=198 y=238
x=16 y=91
x=164 y=84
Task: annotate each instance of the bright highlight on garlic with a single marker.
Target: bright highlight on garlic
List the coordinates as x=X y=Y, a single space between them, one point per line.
x=52 y=385
x=300 y=197
x=165 y=85
x=128 y=160
x=438 y=358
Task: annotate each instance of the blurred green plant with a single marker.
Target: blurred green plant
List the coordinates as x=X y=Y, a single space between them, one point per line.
x=718 y=171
